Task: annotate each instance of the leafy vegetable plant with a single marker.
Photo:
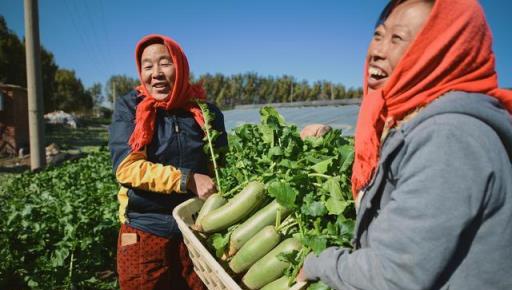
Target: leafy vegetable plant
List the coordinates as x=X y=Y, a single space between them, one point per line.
x=310 y=179
x=58 y=228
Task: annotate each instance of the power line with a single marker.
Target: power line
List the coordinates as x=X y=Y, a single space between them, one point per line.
x=89 y=46
x=96 y=35
x=78 y=31
x=105 y=31
x=85 y=30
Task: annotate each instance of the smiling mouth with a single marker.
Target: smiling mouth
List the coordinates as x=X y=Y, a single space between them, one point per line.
x=161 y=86
x=376 y=73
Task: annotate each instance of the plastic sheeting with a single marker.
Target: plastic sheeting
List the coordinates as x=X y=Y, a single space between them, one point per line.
x=339 y=117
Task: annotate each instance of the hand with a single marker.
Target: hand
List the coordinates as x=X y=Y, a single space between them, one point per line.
x=300 y=276
x=314 y=130
x=201 y=185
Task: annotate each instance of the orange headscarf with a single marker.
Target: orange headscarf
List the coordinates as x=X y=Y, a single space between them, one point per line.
x=453 y=52
x=180 y=96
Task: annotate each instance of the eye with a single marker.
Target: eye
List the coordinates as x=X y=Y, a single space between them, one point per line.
x=396 y=38
x=147 y=67
x=377 y=35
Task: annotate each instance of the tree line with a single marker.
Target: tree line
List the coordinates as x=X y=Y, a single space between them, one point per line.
x=63 y=90
x=250 y=88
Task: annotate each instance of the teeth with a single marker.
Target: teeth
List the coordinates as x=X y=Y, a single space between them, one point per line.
x=373 y=71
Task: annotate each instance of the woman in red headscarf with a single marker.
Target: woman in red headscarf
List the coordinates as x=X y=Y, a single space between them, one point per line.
x=156 y=141
x=433 y=148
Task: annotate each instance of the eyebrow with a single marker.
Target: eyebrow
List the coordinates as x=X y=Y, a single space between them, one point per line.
x=147 y=59
x=404 y=27
x=165 y=57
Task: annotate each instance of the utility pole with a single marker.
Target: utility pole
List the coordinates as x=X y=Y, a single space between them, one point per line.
x=34 y=86
x=291 y=92
x=114 y=93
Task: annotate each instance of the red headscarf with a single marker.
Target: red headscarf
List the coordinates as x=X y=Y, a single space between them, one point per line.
x=453 y=52
x=180 y=96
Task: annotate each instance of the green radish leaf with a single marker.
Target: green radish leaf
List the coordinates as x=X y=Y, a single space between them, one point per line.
x=314 y=142
x=347 y=163
x=270 y=116
x=267 y=134
x=323 y=166
x=211 y=136
x=318 y=286
x=346 y=226
x=332 y=185
x=275 y=151
x=286 y=163
x=219 y=243
x=317 y=244
x=283 y=193
x=331 y=229
x=316 y=208
x=290 y=257
x=335 y=206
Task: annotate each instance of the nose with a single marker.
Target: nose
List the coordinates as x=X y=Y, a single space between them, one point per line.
x=157 y=72
x=378 y=49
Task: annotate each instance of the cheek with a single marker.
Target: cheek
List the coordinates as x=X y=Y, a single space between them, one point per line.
x=171 y=74
x=397 y=55
x=146 y=78
x=371 y=47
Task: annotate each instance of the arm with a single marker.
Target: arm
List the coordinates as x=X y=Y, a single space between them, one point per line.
x=131 y=168
x=136 y=172
x=441 y=185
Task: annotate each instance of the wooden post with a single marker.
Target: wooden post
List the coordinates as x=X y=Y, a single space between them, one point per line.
x=34 y=86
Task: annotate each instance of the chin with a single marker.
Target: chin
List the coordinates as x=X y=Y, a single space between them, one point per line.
x=371 y=89
x=160 y=97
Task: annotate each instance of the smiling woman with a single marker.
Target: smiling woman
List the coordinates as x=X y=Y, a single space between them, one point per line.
x=392 y=38
x=157 y=72
x=156 y=141
x=433 y=148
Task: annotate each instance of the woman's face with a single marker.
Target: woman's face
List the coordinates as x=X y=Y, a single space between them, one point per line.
x=157 y=71
x=392 y=38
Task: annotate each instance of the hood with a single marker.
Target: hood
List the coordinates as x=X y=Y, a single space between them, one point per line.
x=452 y=52
x=482 y=107
x=182 y=94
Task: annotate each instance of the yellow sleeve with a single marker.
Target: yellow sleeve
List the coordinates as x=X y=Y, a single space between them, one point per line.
x=136 y=172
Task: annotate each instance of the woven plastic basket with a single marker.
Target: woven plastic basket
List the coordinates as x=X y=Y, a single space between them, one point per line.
x=205 y=265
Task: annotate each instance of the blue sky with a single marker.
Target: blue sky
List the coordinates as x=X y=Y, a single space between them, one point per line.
x=312 y=40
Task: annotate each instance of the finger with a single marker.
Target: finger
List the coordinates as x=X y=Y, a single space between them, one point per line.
x=305 y=133
x=202 y=196
x=323 y=130
x=208 y=193
x=300 y=276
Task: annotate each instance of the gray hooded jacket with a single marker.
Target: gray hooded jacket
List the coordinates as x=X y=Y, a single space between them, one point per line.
x=438 y=213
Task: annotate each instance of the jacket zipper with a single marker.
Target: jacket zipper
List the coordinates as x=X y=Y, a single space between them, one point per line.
x=177 y=131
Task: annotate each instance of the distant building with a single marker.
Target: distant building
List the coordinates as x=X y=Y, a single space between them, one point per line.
x=62 y=118
x=14 y=133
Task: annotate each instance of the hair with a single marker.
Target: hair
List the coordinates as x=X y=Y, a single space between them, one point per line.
x=146 y=44
x=392 y=5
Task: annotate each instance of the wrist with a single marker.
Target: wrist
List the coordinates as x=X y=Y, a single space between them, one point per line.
x=184 y=179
